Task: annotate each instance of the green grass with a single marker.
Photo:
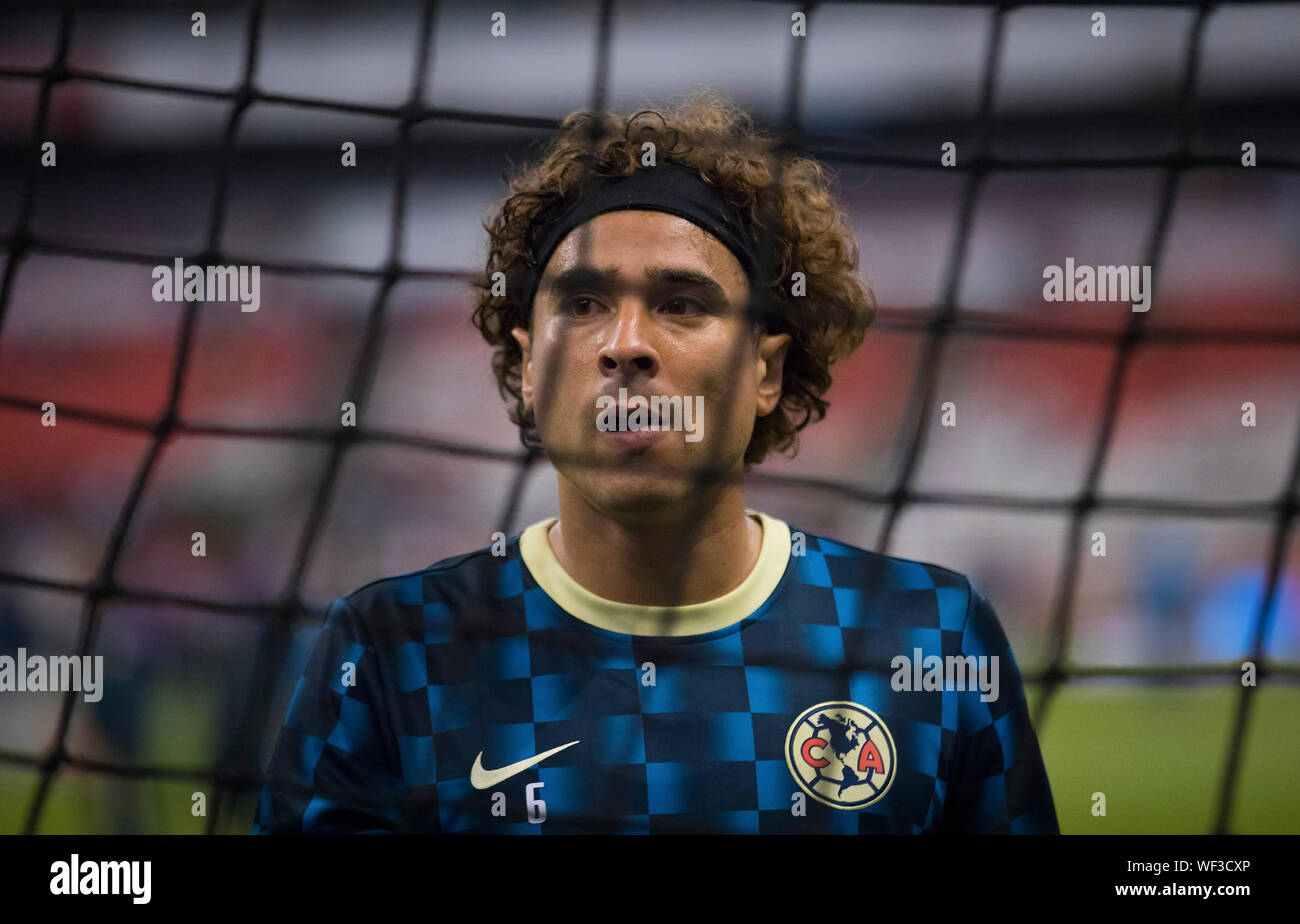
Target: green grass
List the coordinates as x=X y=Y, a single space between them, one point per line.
x=179 y=733
x=1156 y=752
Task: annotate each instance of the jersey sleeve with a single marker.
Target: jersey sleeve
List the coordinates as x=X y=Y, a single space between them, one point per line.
x=333 y=769
x=997 y=783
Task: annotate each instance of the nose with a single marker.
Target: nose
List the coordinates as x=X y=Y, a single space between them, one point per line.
x=629 y=352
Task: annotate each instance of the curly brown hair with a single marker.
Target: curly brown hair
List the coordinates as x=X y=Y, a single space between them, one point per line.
x=785 y=196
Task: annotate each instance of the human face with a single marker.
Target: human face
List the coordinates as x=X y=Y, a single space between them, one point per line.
x=653 y=303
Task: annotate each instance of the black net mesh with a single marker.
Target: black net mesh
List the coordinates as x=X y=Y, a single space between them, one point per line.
x=240 y=772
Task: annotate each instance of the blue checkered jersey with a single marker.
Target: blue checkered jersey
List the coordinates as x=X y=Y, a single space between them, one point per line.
x=836 y=691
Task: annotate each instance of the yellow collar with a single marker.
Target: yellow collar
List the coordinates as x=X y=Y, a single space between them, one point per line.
x=636 y=619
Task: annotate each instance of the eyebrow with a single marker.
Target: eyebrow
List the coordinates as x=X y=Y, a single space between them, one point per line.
x=589 y=277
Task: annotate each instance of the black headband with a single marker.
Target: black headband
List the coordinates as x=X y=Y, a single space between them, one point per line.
x=667 y=187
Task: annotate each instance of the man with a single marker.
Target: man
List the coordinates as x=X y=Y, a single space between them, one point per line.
x=664 y=295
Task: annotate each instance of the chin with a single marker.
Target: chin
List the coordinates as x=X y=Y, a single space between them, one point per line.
x=638 y=496
x=640 y=486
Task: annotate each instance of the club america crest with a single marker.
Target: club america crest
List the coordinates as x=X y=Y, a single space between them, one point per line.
x=841 y=754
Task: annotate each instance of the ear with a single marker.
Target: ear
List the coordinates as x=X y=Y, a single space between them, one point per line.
x=525 y=341
x=771 y=369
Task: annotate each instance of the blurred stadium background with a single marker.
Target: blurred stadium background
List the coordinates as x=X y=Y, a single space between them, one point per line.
x=1100 y=149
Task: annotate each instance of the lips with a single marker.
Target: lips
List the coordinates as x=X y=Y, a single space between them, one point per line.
x=632 y=439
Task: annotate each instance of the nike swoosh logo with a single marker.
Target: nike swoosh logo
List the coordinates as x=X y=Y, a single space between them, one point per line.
x=486 y=779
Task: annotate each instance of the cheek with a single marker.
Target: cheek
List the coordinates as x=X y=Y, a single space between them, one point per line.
x=729 y=397
x=558 y=347
x=553 y=379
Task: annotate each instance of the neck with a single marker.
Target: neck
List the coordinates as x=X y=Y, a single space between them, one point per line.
x=690 y=556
